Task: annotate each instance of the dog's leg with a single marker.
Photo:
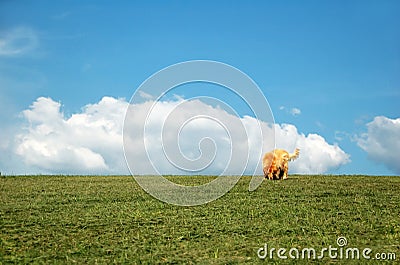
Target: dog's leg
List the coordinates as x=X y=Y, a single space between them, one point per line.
x=285 y=175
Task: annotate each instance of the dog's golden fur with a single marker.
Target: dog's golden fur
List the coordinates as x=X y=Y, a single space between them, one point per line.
x=276 y=163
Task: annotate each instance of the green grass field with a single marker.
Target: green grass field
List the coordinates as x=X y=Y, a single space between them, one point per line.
x=99 y=219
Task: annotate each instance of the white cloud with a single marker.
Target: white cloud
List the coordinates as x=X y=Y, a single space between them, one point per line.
x=91 y=141
x=291 y=111
x=382 y=142
x=193 y=135
x=87 y=142
x=295 y=111
x=18 y=41
x=342 y=135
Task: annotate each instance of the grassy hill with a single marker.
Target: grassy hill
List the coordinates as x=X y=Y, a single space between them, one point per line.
x=110 y=219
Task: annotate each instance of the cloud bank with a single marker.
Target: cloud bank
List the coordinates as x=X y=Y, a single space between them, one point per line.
x=85 y=143
x=382 y=142
x=91 y=141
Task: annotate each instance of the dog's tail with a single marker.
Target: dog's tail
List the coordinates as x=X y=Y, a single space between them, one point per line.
x=294 y=155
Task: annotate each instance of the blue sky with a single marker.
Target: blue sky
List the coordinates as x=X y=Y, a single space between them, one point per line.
x=338 y=62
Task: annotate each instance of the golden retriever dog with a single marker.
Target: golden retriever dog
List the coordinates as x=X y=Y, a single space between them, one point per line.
x=275 y=163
